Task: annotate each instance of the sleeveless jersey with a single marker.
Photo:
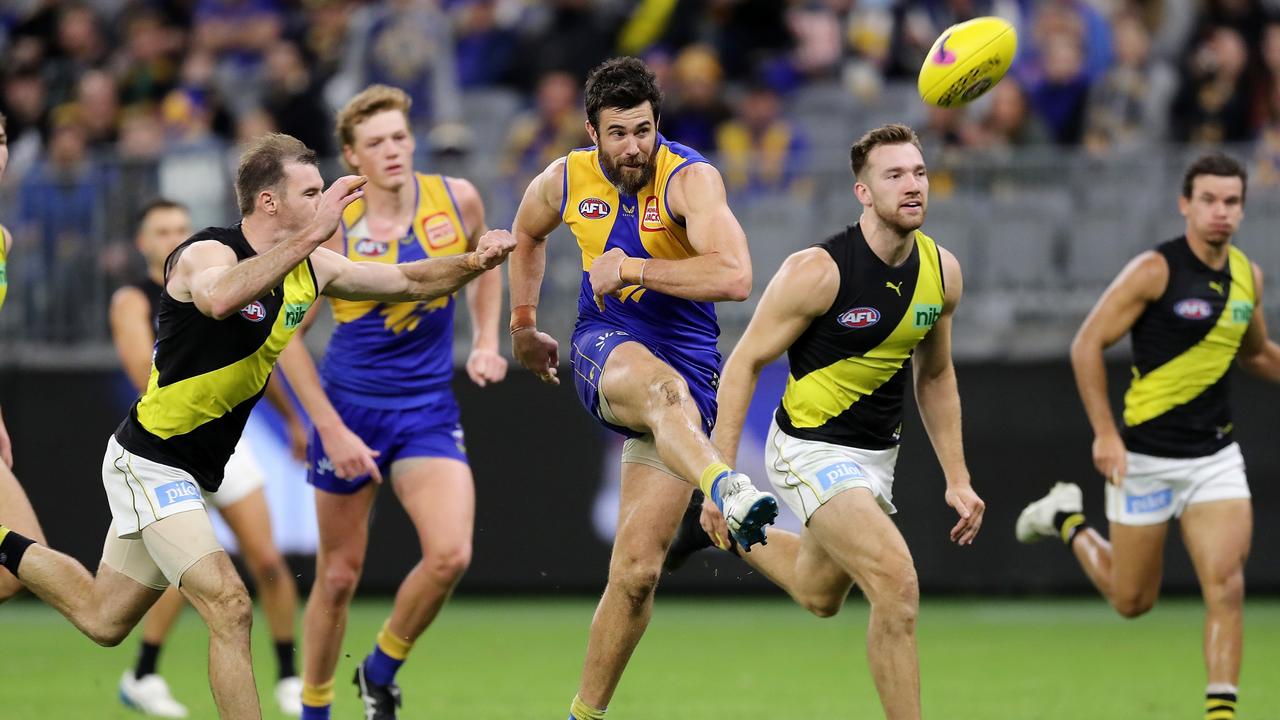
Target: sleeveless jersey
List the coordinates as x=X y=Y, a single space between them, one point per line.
x=1178 y=403
x=152 y=292
x=602 y=218
x=396 y=355
x=208 y=374
x=849 y=368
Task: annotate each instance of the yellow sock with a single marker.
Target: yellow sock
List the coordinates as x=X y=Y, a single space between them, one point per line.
x=317 y=695
x=580 y=710
x=396 y=647
x=713 y=471
x=1069 y=525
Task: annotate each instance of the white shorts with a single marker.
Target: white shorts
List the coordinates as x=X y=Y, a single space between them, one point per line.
x=242 y=476
x=1157 y=488
x=807 y=473
x=141 y=491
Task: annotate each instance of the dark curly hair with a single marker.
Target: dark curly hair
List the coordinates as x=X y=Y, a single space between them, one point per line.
x=621 y=83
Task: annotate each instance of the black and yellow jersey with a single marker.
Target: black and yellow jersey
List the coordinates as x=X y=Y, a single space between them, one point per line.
x=208 y=374
x=1178 y=404
x=850 y=366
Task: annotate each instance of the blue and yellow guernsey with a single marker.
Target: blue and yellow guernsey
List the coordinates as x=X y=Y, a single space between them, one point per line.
x=602 y=218
x=680 y=332
x=396 y=355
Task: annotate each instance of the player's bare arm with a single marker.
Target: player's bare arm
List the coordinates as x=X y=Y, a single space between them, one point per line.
x=208 y=274
x=422 y=280
x=803 y=289
x=721 y=271
x=131 y=332
x=537 y=216
x=938 y=398
x=1259 y=354
x=484 y=296
x=1141 y=283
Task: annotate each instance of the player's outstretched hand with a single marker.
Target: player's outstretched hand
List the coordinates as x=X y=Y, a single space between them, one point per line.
x=712 y=521
x=1109 y=457
x=492 y=249
x=538 y=352
x=351 y=458
x=606 y=275
x=970 y=507
x=340 y=194
x=486 y=366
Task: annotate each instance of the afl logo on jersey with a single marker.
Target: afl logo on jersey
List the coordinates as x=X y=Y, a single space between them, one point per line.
x=594 y=209
x=1193 y=309
x=859 y=317
x=368 y=247
x=254 y=312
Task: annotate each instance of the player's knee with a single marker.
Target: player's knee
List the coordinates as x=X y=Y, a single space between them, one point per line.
x=447 y=566
x=897 y=596
x=668 y=391
x=107 y=634
x=267 y=567
x=339 y=578
x=823 y=607
x=1226 y=591
x=1134 y=604
x=636 y=580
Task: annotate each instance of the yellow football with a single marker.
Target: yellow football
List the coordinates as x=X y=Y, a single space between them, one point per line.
x=966 y=61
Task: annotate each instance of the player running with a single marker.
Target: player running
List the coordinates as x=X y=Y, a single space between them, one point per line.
x=240 y=500
x=233 y=298
x=659 y=247
x=385 y=384
x=15 y=509
x=857 y=316
x=1191 y=306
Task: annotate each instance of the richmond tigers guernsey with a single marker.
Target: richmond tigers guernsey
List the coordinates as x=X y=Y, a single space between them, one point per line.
x=850 y=366
x=1178 y=403
x=4 y=275
x=208 y=374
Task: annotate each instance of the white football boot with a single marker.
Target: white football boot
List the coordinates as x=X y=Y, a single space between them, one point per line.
x=746 y=510
x=1036 y=520
x=150 y=696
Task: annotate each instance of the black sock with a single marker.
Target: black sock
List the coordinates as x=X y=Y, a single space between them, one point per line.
x=148 y=659
x=284 y=658
x=1068 y=525
x=1220 y=706
x=12 y=547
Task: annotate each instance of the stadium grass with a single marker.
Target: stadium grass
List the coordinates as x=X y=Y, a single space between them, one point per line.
x=746 y=659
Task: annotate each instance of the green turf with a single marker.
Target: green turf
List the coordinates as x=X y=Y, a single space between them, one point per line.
x=733 y=659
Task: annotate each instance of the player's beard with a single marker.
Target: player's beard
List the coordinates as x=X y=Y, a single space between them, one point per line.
x=895 y=220
x=632 y=183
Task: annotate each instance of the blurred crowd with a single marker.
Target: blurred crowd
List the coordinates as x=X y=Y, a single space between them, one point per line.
x=110 y=101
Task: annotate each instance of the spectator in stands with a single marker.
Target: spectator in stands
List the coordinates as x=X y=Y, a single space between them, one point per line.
x=695 y=108
x=324 y=34
x=294 y=100
x=485 y=43
x=238 y=31
x=80 y=47
x=1058 y=91
x=25 y=109
x=98 y=104
x=549 y=131
x=193 y=113
x=1008 y=121
x=1212 y=105
x=406 y=44
x=147 y=66
x=1129 y=105
x=57 y=215
x=759 y=149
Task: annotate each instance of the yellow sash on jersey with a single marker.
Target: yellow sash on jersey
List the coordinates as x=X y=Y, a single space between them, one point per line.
x=596 y=213
x=825 y=393
x=185 y=405
x=1186 y=376
x=437 y=226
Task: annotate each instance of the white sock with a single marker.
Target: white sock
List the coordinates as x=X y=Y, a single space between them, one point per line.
x=1221 y=689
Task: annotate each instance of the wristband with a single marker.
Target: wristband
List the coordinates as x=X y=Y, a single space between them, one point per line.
x=523 y=317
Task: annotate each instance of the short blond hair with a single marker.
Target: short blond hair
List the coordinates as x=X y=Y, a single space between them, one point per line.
x=369 y=102
x=892 y=134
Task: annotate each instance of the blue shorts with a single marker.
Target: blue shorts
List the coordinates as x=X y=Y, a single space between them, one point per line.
x=428 y=431
x=592 y=343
